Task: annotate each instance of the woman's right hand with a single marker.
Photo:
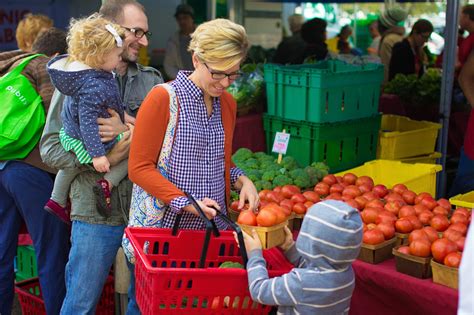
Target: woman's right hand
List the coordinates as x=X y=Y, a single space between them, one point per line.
x=207 y=205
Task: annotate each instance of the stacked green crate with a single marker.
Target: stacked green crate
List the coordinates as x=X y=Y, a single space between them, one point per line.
x=329 y=108
x=362 y=34
x=26 y=267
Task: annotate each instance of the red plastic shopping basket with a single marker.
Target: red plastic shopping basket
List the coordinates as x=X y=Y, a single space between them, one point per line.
x=29 y=295
x=169 y=280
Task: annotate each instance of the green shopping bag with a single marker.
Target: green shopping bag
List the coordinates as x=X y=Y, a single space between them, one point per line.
x=22 y=115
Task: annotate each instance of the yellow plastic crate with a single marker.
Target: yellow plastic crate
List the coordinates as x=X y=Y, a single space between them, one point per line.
x=464 y=200
x=402 y=137
x=427 y=159
x=417 y=177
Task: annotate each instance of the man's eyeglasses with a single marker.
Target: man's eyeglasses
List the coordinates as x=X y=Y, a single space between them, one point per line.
x=221 y=75
x=138 y=32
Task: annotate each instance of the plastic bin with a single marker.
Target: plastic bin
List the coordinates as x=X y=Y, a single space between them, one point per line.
x=463 y=200
x=168 y=280
x=329 y=91
x=31 y=302
x=427 y=159
x=417 y=177
x=402 y=137
x=340 y=145
x=26 y=263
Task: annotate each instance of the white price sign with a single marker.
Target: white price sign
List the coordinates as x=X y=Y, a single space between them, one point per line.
x=280 y=145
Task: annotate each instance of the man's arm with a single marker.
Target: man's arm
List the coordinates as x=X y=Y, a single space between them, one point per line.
x=466 y=79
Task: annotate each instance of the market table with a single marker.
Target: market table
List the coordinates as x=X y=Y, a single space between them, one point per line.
x=380 y=289
x=249 y=133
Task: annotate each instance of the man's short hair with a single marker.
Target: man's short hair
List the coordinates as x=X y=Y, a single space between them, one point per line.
x=29 y=28
x=113 y=9
x=50 y=42
x=469 y=10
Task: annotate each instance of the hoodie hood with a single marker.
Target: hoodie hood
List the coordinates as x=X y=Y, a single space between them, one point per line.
x=69 y=76
x=330 y=236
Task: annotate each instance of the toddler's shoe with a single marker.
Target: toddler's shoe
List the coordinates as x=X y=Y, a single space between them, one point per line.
x=103 y=197
x=63 y=213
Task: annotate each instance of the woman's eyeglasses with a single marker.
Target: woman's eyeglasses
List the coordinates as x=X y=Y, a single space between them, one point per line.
x=221 y=75
x=138 y=32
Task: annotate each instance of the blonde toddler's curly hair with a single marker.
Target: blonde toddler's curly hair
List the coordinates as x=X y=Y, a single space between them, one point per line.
x=89 y=41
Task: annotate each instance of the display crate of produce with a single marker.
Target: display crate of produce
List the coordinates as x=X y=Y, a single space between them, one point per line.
x=329 y=91
x=426 y=159
x=340 y=145
x=169 y=280
x=26 y=263
x=31 y=301
x=445 y=275
x=375 y=254
x=402 y=137
x=402 y=238
x=269 y=236
x=414 y=266
x=463 y=200
x=417 y=177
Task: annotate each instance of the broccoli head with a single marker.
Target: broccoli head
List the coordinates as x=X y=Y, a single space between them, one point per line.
x=251 y=164
x=302 y=181
x=289 y=163
x=296 y=173
x=254 y=175
x=269 y=175
x=282 y=180
x=263 y=184
x=242 y=154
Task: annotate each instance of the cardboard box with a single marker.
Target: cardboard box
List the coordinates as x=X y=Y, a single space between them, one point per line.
x=445 y=275
x=269 y=236
x=375 y=254
x=414 y=266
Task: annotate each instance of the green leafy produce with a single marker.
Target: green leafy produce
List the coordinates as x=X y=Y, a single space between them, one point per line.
x=231 y=264
x=282 y=180
x=241 y=154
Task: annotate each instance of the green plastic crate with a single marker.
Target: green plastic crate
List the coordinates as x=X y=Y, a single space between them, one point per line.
x=26 y=263
x=329 y=91
x=341 y=145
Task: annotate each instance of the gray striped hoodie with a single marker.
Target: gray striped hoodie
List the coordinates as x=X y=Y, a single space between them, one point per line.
x=322 y=280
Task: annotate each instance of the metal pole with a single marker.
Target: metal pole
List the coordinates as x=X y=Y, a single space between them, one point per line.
x=451 y=37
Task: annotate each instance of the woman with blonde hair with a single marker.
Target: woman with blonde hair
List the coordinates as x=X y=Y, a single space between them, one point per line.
x=85 y=77
x=29 y=28
x=192 y=120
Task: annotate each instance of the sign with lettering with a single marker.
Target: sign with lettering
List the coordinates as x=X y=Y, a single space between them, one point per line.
x=280 y=145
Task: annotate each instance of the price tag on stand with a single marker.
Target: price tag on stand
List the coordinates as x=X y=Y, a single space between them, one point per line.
x=280 y=145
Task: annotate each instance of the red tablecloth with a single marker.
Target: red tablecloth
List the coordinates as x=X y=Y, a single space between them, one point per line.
x=380 y=289
x=249 y=133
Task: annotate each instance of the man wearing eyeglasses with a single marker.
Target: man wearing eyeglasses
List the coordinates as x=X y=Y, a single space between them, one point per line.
x=95 y=239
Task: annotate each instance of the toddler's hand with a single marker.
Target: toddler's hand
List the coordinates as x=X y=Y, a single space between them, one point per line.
x=101 y=164
x=251 y=241
x=129 y=119
x=288 y=242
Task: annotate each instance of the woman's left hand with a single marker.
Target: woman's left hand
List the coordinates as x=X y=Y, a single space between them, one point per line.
x=248 y=192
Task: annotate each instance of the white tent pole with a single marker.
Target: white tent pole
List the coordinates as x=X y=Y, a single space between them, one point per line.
x=451 y=37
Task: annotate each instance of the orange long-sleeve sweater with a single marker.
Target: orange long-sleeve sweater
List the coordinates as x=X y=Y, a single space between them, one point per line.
x=150 y=127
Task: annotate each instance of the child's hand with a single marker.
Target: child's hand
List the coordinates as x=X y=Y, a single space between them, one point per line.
x=129 y=119
x=101 y=164
x=288 y=242
x=251 y=242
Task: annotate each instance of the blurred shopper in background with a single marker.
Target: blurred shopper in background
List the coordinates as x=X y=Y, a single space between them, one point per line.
x=313 y=33
x=291 y=46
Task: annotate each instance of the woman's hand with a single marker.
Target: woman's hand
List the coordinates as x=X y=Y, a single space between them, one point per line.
x=248 y=192
x=110 y=128
x=288 y=242
x=207 y=205
x=101 y=164
x=252 y=242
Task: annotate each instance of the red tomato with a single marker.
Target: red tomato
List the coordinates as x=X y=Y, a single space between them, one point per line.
x=247 y=217
x=452 y=235
x=420 y=196
x=352 y=203
x=403 y=225
x=373 y=237
x=458 y=226
x=308 y=204
x=277 y=210
x=425 y=217
x=311 y=196
x=299 y=208
x=361 y=202
x=235 y=205
x=404 y=250
x=463 y=211
x=336 y=188
x=371 y=196
x=430 y=203
x=334 y=196
x=263 y=194
x=380 y=190
x=375 y=203
x=351 y=191
x=460 y=243
x=459 y=218
x=452 y=260
x=322 y=189
x=287 y=204
x=420 y=248
x=290 y=190
x=298 y=198
x=369 y=215
x=330 y=179
x=444 y=203
x=439 y=222
x=365 y=188
x=349 y=178
x=263 y=203
x=266 y=218
x=442 y=247
x=406 y=211
x=275 y=197
x=387 y=217
x=393 y=206
x=415 y=222
x=371 y=226
x=394 y=196
x=365 y=180
x=277 y=189
x=431 y=233
x=339 y=179
x=409 y=197
x=399 y=189
x=419 y=208
x=418 y=235
x=387 y=229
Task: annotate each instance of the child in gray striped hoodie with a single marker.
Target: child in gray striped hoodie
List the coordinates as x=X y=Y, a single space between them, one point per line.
x=322 y=280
